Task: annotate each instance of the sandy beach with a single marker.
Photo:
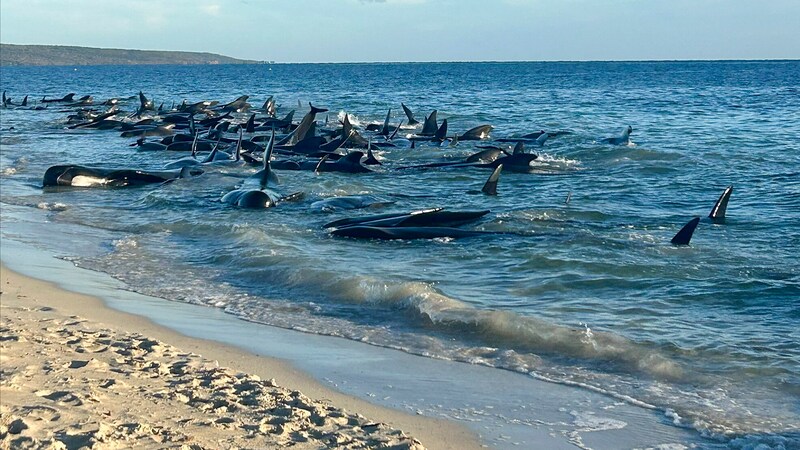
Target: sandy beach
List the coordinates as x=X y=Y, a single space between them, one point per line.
x=78 y=374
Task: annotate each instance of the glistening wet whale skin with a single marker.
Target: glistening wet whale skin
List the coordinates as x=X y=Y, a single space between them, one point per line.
x=437 y=217
x=82 y=176
x=717 y=214
x=368 y=232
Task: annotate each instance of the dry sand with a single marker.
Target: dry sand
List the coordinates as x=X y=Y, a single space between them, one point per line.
x=75 y=374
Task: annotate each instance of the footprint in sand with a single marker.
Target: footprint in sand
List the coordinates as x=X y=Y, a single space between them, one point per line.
x=60 y=397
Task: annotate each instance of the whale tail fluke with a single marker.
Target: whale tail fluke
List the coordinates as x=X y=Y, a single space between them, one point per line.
x=490 y=188
x=315 y=110
x=685 y=235
x=717 y=214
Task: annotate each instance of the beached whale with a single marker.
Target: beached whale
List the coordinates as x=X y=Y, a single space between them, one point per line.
x=82 y=176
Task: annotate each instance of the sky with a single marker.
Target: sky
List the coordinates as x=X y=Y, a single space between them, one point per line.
x=417 y=30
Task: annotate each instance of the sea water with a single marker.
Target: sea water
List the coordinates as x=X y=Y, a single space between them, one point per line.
x=586 y=292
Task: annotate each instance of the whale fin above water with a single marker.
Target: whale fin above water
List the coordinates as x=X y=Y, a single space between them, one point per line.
x=430 y=126
x=684 y=236
x=717 y=214
x=490 y=188
x=410 y=115
x=441 y=133
x=385 y=128
x=250 y=126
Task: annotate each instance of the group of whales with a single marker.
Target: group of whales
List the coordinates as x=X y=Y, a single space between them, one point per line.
x=220 y=130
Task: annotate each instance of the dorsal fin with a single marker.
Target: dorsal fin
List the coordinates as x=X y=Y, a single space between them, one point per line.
x=268 y=175
x=542 y=139
x=250 y=127
x=25 y=101
x=213 y=153
x=441 y=133
x=430 y=126
x=347 y=128
x=385 y=129
x=320 y=163
x=685 y=235
x=238 y=152
x=192 y=126
x=409 y=114
x=454 y=142
x=519 y=148
x=490 y=188
x=717 y=213
x=396 y=130
x=289 y=117
x=371 y=159
x=194 y=147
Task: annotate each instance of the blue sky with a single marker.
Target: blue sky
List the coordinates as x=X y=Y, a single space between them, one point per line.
x=417 y=30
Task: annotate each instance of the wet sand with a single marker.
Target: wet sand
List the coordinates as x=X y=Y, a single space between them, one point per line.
x=76 y=373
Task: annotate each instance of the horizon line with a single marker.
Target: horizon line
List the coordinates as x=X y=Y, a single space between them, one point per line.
x=267 y=61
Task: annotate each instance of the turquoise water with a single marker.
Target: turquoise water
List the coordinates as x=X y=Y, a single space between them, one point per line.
x=588 y=292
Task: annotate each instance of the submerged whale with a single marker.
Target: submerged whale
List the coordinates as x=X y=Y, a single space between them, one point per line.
x=623 y=139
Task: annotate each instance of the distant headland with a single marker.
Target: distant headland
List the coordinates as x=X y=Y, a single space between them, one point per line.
x=60 y=55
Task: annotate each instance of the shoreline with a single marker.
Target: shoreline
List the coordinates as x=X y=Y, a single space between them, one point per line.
x=444 y=404
x=31 y=300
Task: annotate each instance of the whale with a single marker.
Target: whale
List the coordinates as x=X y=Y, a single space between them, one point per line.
x=143 y=145
x=717 y=214
x=476 y=134
x=150 y=130
x=65 y=99
x=389 y=233
x=238 y=105
x=254 y=192
x=83 y=176
x=434 y=217
x=623 y=139
x=350 y=163
x=305 y=124
x=350 y=202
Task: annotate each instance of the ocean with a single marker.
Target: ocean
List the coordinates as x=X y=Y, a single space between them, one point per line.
x=586 y=292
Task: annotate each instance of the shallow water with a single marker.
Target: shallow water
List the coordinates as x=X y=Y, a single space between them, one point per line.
x=589 y=292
